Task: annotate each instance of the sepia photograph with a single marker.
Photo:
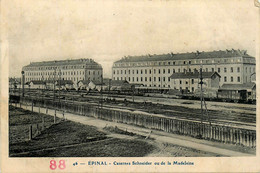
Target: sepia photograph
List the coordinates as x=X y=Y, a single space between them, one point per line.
x=131 y=79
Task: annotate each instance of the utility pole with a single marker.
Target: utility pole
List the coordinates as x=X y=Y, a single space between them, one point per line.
x=54 y=77
x=23 y=82
x=59 y=83
x=101 y=91
x=201 y=94
x=109 y=85
x=202 y=99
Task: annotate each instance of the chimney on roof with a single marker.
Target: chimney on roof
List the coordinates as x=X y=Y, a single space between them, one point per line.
x=244 y=52
x=232 y=50
x=197 y=53
x=172 y=54
x=149 y=55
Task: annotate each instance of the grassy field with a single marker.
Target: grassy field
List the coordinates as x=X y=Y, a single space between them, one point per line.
x=68 y=139
x=20 y=120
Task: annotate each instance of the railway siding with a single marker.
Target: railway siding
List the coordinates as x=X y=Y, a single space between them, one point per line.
x=241 y=135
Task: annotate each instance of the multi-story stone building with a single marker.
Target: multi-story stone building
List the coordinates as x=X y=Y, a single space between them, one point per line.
x=234 y=67
x=74 y=70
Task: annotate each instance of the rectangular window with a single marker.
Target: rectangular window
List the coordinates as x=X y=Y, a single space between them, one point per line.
x=150 y=79
x=192 y=81
x=133 y=79
x=231 y=79
x=163 y=71
x=231 y=69
x=218 y=70
x=154 y=78
x=159 y=71
x=154 y=71
x=145 y=71
x=225 y=79
x=180 y=81
x=164 y=79
x=238 y=69
x=136 y=79
x=169 y=70
x=212 y=69
x=159 y=79
x=238 y=79
x=225 y=69
x=150 y=71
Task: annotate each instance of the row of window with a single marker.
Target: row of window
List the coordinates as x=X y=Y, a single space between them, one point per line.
x=231 y=79
x=149 y=79
x=179 y=62
x=54 y=67
x=65 y=78
x=60 y=73
x=173 y=71
x=143 y=79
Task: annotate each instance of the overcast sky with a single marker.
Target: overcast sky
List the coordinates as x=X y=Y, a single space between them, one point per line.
x=108 y=30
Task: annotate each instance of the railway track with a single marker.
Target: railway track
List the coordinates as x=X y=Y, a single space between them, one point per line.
x=224 y=117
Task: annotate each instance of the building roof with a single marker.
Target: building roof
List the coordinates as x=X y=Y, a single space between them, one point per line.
x=189 y=55
x=64 y=62
x=96 y=82
x=64 y=82
x=115 y=82
x=185 y=75
x=37 y=82
x=244 y=86
x=85 y=82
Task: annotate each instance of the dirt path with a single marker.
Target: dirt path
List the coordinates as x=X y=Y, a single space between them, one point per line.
x=159 y=136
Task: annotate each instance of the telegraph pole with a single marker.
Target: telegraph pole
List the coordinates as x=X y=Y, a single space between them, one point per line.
x=202 y=99
x=23 y=82
x=59 y=83
x=101 y=91
x=54 y=76
x=109 y=85
x=201 y=94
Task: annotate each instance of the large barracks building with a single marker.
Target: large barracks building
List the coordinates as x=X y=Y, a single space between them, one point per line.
x=233 y=67
x=73 y=70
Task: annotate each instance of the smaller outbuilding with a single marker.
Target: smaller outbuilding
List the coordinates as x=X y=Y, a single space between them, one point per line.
x=243 y=92
x=36 y=84
x=64 y=84
x=189 y=82
x=119 y=85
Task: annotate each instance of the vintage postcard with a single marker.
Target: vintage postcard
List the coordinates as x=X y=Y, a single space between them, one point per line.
x=129 y=86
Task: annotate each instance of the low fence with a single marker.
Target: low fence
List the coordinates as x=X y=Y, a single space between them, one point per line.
x=226 y=134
